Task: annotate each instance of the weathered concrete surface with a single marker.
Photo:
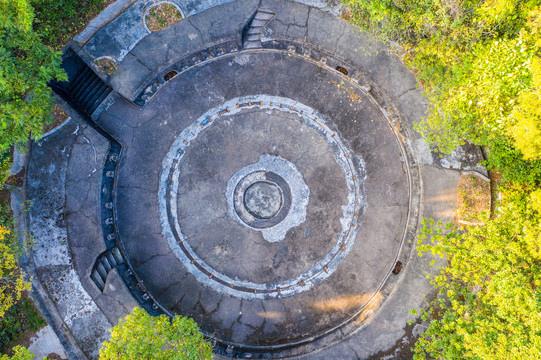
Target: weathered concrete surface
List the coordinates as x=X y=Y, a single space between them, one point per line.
x=45 y=343
x=46 y=192
x=387 y=327
x=62 y=189
x=240 y=141
x=116 y=37
x=305 y=57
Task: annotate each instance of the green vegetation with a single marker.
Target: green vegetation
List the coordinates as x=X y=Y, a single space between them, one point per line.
x=141 y=336
x=30 y=33
x=21 y=318
x=490 y=296
x=57 y=21
x=17 y=312
x=20 y=353
x=26 y=64
x=12 y=283
x=479 y=63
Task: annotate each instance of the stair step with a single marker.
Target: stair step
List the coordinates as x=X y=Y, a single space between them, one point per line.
x=254 y=30
x=80 y=79
x=252 y=45
x=105 y=262
x=92 y=85
x=112 y=259
x=118 y=256
x=263 y=16
x=98 y=280
x=259 y=22
x=102 y=271
x=102 y=97
x=85 y=87
x=94 y=95
x=253 y=37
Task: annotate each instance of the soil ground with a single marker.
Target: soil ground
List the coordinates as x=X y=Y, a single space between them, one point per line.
x=162 y=16
x=473 y=198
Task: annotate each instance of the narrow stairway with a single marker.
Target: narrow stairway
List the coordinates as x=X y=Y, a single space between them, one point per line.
x=251 y=36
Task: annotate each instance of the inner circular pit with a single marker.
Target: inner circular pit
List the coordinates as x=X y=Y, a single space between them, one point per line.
x=262 y=199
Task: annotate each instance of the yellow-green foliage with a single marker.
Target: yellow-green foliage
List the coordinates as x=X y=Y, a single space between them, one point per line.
x=141 y=336
x=526 y=130
x=478 y=61
x=12 y=283
x=20 y=353
x=489 y=301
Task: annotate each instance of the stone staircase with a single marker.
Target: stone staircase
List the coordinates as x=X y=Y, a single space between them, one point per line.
x=88 y=90
x=84 y=90
x=251 y=36
x=104 y=263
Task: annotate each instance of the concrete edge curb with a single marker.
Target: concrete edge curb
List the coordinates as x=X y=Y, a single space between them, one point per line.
x=476 y=173
x=105 y=17
x=55 y=129
x=38 y=293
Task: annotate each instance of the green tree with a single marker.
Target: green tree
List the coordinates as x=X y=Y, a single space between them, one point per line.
x=26 y=65
x=489 y=302
x=141 y=336
x=20 y=353
x=12 y=283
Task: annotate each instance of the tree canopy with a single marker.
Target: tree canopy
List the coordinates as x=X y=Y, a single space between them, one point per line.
x=26 y=65
x=141 y=336
x=490 y=292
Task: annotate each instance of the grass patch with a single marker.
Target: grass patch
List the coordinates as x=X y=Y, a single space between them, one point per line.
x=161 y=16
x=20 y=321
x=106 y=65
x=474 y=200
x=58 y=21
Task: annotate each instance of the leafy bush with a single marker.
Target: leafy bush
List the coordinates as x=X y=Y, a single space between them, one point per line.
x=26 y=65
x=489 y=302
x=20 y=353
x=59 y=20
x=12 y=283
x=23 y=317
x=141 y=336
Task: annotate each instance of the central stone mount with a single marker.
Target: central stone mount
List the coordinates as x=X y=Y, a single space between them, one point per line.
x=262 y=199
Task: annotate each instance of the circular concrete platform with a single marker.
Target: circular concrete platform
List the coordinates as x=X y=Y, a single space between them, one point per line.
x=281 y=210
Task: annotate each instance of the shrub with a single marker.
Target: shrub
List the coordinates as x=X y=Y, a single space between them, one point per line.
x=26 y=65
x=20 y=353
x=489 y=303
x=12 y=283
x=140 y=336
